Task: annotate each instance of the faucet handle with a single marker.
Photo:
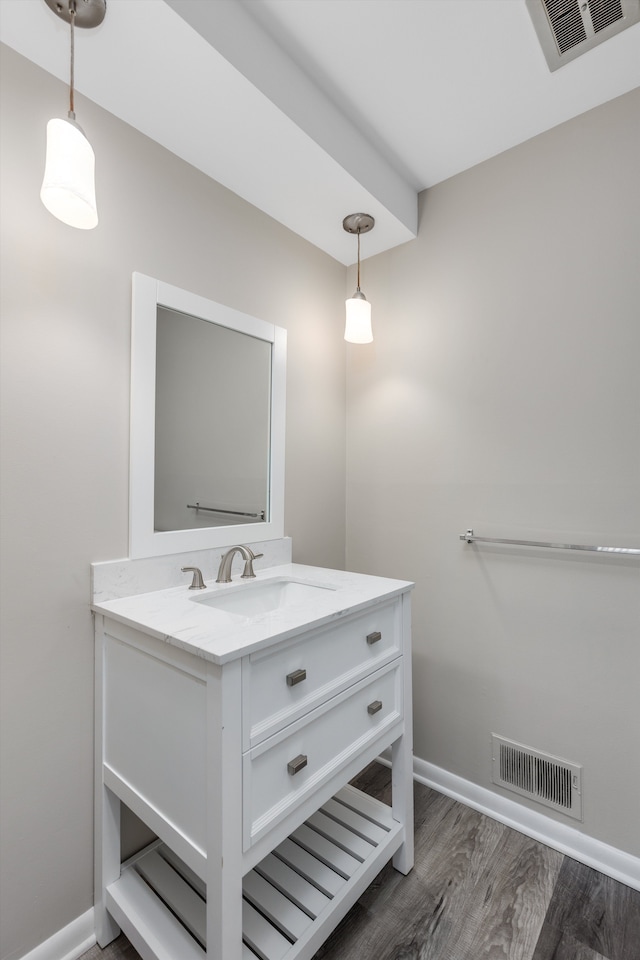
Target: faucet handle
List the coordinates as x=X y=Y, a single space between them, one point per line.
x=197 y=583
x=248 y=572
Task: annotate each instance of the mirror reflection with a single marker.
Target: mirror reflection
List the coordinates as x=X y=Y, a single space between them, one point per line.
x=212 y=419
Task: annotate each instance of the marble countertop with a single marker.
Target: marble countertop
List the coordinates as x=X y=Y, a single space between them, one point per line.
x=179 y=616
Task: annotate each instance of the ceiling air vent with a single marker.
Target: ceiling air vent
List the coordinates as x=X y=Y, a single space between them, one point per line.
x=568 y=28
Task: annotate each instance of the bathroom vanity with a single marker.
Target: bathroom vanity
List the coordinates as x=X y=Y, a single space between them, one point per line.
x=230 y=720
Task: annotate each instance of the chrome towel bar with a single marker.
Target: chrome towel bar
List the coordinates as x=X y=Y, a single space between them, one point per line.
x=234 y=513
x=470 y=537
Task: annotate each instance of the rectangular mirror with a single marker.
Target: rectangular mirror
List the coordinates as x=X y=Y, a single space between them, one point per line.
x=207 y=423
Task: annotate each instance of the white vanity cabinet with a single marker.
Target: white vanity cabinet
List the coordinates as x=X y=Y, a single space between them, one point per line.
x=238 y=757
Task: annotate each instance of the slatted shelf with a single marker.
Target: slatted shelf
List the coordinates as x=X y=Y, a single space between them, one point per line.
x=340 y=835
x=307 y=866
x=276 y=907
x=291 y=900
x=293 y=885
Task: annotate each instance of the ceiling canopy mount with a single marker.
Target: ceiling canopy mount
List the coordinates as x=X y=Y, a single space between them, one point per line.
x=358 y=223
x=87 y=13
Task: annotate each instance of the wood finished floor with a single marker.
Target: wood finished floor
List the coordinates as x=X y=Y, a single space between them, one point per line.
x=478 y=891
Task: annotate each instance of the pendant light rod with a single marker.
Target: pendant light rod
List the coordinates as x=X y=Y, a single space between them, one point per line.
x=358 y=223
x=72 y=58
x=89 y=14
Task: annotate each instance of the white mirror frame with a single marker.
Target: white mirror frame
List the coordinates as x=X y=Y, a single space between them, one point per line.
x=144 y=540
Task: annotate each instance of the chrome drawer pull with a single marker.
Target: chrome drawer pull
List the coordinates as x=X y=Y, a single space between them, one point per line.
x=374 y=707
x=296 y=677
x=297 y=764
x=374 y=637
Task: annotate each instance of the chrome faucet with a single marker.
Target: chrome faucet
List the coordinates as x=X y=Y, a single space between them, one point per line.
x=224 y=571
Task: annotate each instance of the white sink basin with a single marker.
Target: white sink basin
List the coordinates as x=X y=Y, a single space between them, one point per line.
x=253 y=599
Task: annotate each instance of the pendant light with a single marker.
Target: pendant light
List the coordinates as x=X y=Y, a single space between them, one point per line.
x=68 y=188
x=358 y=322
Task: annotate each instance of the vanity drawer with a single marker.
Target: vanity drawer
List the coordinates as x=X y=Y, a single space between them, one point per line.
x=283 y=771
x=282 y=685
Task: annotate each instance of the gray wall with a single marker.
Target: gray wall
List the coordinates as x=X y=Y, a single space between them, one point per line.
x=502 y=393
x=65 y=352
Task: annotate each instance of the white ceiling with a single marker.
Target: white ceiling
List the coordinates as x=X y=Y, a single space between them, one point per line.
x=313 y=109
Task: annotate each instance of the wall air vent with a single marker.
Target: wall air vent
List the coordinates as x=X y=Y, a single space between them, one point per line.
x=568 y=28
x=539 y=776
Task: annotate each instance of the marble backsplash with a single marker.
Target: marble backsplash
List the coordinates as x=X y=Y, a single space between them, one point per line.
x=114 y=579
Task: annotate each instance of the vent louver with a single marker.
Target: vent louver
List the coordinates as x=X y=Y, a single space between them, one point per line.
x=539 y=776
x=604 y=12
x=566 y=23
x=568 y=28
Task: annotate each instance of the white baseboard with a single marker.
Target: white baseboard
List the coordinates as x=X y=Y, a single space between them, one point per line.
x=69 y=943
x=602 y=857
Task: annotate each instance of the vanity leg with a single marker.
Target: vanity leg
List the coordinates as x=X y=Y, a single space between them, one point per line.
x=224 y=813
x=107 y=862
x=402 y=759
x=402 y=802
x=106 y=811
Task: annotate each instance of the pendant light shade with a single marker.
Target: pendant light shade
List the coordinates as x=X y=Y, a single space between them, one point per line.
x=358 y=324
x=68 y=189
x=358 y=319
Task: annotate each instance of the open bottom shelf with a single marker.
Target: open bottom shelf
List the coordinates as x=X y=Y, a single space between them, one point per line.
x=292 y=899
